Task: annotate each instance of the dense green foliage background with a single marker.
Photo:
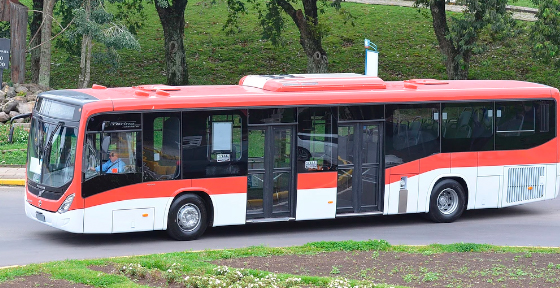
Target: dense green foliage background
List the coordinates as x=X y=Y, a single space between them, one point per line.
x=404 y=37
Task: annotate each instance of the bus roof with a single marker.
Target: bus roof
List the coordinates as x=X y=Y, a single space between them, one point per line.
x=310 y=89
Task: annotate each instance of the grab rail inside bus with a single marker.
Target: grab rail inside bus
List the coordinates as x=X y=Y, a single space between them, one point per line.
x=11 y=134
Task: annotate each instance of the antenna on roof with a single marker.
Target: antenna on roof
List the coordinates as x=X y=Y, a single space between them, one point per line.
x=372 y=58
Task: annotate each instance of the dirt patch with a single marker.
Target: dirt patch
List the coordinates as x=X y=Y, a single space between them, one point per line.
x=41 y=280
x=418 y=270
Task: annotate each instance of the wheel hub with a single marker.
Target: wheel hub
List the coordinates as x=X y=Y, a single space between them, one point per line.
x=188 y=217
x=447 y=201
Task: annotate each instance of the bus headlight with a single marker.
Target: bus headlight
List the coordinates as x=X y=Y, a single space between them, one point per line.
x=66 y=204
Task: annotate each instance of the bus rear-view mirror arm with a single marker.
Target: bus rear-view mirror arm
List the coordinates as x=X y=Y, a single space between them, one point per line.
x=11 y=134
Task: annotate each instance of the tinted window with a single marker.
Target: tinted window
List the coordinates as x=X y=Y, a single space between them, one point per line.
x=214 y=144
x=412 y=132
x=467 y=127
x=273 y=115
x=524 y=124
x=317 y=134
x=363 y=112
x=161 y=149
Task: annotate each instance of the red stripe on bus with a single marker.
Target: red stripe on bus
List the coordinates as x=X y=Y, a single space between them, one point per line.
x=170 y=188
x=225 y=185
x=317 y=180
x=542 y=154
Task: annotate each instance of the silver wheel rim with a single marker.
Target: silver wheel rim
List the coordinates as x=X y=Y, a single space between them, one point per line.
x=447 y=201
x=188 y=217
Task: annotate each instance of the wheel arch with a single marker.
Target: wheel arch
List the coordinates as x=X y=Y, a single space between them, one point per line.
x=200 y=193
x=457 y=178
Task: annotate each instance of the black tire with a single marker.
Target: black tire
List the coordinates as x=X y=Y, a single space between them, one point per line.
x=447 y=201
x=192 y=210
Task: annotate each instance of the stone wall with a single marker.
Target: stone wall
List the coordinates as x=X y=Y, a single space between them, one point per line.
x=18 y=99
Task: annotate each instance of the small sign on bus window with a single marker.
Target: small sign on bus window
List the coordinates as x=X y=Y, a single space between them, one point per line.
x=222 y=157
x=310 y=164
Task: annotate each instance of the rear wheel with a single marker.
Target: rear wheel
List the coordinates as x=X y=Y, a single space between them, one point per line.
x=447 y=201
x=187 y=218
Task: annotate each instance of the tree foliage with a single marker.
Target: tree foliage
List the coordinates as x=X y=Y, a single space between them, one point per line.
x=271 y=15
x=458 y=35
x=92 y=22
x=545 y=34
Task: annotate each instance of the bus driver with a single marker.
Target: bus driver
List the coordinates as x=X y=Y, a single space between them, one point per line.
x=113 y=165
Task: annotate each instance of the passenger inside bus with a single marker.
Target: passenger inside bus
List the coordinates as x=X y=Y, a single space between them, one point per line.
x=113 y=165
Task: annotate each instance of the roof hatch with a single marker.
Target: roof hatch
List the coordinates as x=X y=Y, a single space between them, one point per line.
x=412 y=83
x=157 y=87
x=312 y=82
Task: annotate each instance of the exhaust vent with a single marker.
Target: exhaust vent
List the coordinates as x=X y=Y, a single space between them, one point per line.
x=525 y=183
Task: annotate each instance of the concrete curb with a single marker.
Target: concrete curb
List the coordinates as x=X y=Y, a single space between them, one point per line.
x=12 y=182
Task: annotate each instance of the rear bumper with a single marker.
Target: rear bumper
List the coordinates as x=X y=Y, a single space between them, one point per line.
x=71 y=221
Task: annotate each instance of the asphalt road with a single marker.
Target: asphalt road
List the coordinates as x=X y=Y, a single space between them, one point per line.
x=24 y=241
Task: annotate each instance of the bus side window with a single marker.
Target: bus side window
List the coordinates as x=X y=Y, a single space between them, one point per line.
x=118 y=157
x=524 y=124
x=110 y=152
x=162 y=142
x=467 y=127
x=214 y=143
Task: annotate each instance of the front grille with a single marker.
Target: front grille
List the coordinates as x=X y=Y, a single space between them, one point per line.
x=51 y=194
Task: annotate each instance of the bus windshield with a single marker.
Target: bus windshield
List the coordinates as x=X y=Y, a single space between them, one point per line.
x=51 y=153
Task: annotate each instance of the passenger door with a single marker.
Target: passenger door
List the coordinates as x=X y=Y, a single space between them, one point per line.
x=359 y=167
x=270 y=176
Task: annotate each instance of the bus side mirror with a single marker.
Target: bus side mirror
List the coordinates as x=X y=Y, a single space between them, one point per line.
x=11 y=134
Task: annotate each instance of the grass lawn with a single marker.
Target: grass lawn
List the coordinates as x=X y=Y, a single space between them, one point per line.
x=523 y=3
x=372 y=263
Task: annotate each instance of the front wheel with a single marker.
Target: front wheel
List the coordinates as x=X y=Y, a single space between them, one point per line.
x=447 y=201
x=187 y=218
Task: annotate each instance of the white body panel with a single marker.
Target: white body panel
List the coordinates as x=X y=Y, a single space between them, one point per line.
x=314 y=204
x=99 y=219
x=551 y=191
x=71 y=221
x=487 y=192
x=133 y=220
x=229 y=209
x=490 y=170
x=487 y=188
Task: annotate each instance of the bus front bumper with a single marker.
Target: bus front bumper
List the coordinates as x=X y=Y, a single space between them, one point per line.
x=71 y=221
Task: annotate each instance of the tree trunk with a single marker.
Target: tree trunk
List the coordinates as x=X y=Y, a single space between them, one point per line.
x=309 y=36
x=173 y=22
x=449 y=51
x=85 y=62
x=18 y=27
x=35 y=28
x=46 y=30
x=85 y=56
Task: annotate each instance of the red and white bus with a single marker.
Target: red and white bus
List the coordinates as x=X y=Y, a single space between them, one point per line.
x=287 y=148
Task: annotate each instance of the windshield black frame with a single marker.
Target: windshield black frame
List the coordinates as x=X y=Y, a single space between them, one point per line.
x=51 y=154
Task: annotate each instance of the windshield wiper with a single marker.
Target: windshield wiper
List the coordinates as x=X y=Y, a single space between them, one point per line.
x=47 y=149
